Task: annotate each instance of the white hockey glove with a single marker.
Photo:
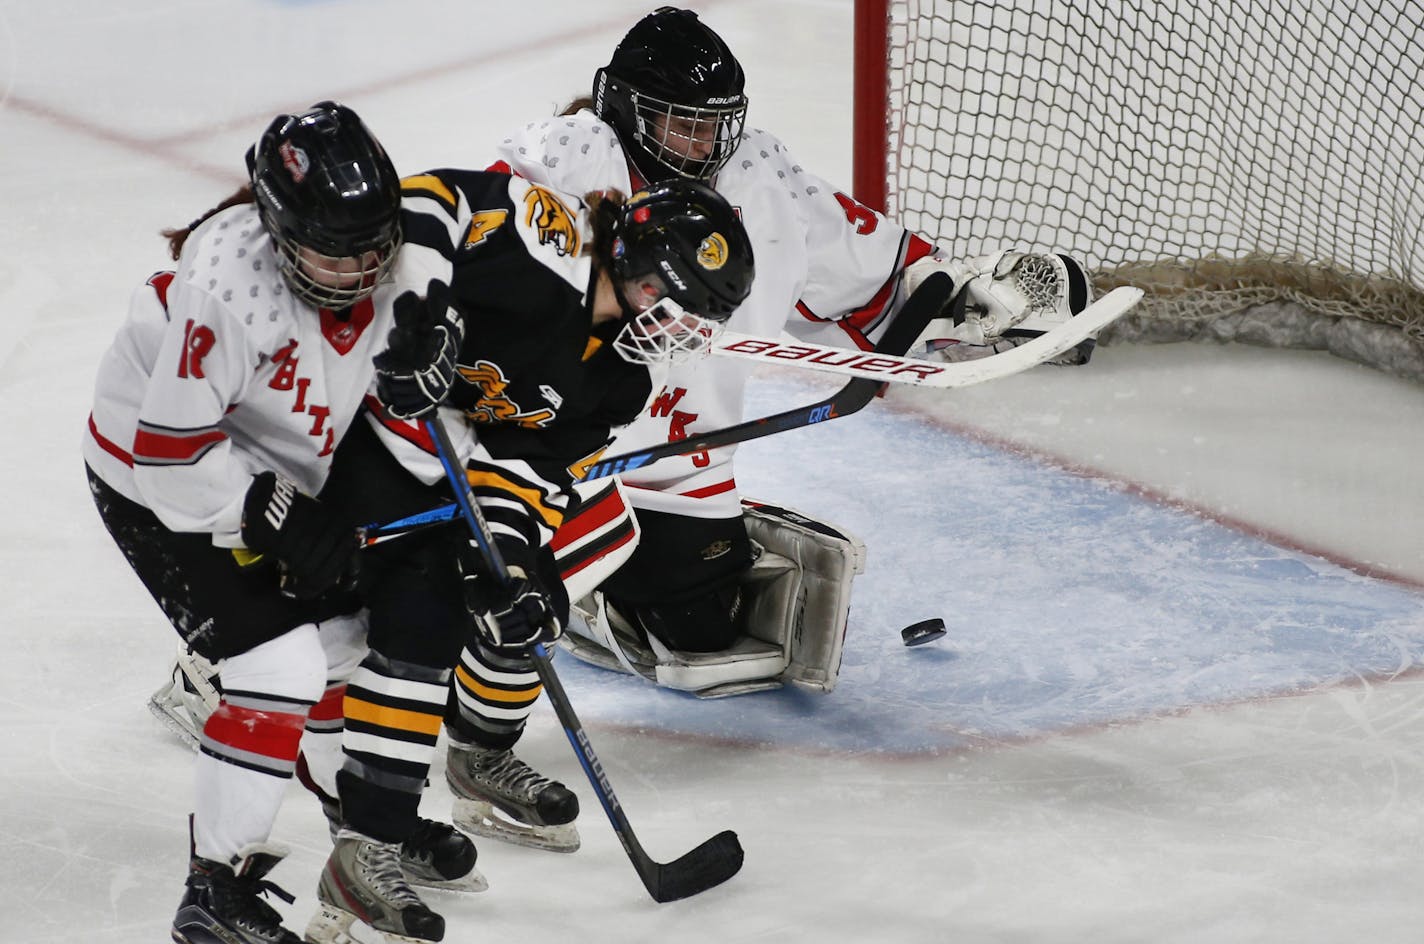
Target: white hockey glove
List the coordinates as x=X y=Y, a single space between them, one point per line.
x=1010 y=298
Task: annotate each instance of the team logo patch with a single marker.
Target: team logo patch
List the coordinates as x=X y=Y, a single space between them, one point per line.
x=295 y=160
x=712 y=252
x=556 y=226
x=716 y=549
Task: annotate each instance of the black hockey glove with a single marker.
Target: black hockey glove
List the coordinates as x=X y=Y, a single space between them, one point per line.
x=529 y=610
x=316 y=551
x=416 y=370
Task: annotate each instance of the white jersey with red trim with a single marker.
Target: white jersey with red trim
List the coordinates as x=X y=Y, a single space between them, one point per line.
x=220 y=373
x=827 y=270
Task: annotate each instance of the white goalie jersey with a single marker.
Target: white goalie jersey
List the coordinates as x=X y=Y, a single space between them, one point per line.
x=828 y=270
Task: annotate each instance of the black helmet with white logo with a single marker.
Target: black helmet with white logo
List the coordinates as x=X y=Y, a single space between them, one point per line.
x=324 y=184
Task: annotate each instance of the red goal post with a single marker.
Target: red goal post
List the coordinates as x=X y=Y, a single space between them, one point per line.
x=1257 y=166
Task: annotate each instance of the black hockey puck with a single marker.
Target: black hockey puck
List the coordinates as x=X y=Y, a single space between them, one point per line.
x=917 y=634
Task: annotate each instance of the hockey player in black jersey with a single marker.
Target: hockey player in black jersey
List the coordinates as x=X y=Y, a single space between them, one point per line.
x=569 y=313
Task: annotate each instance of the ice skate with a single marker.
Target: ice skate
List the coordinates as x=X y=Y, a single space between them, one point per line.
x=191 y=693
x=437 y=855
x=364 y=898
x=223 y=904
x=499 y=796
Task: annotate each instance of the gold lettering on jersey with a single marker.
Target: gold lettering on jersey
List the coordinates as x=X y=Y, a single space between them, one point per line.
x=556 y=225
x=494 y=404
x=712 y=252
x=482 y=224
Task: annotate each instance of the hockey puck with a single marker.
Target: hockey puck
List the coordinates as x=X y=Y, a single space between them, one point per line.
x=917 y=634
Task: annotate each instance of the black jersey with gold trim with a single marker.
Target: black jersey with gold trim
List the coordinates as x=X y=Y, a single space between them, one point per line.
x=536 y=380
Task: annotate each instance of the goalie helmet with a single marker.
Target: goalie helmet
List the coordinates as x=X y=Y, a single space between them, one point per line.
x=330 y=199
x=681 y=263
x=674 y=93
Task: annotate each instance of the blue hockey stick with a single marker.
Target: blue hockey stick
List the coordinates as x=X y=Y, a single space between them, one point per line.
x=709 y=864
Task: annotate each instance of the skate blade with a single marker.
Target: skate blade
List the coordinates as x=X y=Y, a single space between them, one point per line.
x=479 y=818
x=472 y=881
x=331 y=925
x=165 y=712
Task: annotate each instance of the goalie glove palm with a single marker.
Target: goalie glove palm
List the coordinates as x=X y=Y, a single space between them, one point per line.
x=416 y=370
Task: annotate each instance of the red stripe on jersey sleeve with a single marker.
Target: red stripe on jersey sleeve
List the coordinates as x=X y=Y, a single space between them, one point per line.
x=108 y=445
x=172 y=447
x=273 y=734
x=409 y=430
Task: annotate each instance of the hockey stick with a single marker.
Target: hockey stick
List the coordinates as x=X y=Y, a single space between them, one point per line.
x=708 y=865
x=876 y=365
x=914 y=315
x=917 y=312
x=886 y=364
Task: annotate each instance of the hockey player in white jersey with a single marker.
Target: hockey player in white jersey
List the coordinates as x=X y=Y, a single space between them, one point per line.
x=224 y=417
x=715 y=585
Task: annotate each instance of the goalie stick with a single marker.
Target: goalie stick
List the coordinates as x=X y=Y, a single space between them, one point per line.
x=916 y=313
x=878 y=365
x=706 y=866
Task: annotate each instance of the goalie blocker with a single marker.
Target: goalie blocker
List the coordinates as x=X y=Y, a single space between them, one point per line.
x=756 y=607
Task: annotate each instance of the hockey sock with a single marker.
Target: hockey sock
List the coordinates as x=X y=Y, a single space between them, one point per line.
x=393 y=713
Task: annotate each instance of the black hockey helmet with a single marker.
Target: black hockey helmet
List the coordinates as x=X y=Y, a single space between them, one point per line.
x=323 y=183
x=682 y=263
x=674 y=93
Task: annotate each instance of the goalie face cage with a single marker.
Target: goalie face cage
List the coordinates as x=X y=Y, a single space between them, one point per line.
x=1218 y=155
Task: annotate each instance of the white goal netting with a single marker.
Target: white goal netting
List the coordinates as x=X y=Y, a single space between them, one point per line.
x=1254 y=165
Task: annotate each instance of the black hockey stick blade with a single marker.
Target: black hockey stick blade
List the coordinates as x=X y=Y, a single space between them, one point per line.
x=918 y=311
x=711 y=863
x=707 y=866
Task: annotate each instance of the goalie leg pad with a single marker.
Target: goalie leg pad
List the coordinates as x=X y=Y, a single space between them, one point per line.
x=796 y=600
x=809 y=620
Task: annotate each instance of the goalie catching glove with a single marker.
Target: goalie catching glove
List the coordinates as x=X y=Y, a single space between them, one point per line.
x=416 y=370
x=1010 y=297
x=531 y=608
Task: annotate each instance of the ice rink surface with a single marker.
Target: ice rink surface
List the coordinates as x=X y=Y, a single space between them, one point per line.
x=1179 y=699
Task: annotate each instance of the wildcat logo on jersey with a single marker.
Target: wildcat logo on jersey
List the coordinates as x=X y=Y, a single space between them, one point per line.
x=494 y=404
x=556 y=226
x=712 y=252
x=295 y=160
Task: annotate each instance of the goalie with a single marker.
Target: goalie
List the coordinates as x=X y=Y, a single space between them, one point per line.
x=722 y=595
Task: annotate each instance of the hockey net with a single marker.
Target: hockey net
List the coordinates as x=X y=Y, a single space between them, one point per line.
x=1253 y=165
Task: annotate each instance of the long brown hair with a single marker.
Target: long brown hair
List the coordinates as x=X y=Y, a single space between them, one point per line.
x=605 y=208
x=177 y=237
x=573 y=107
